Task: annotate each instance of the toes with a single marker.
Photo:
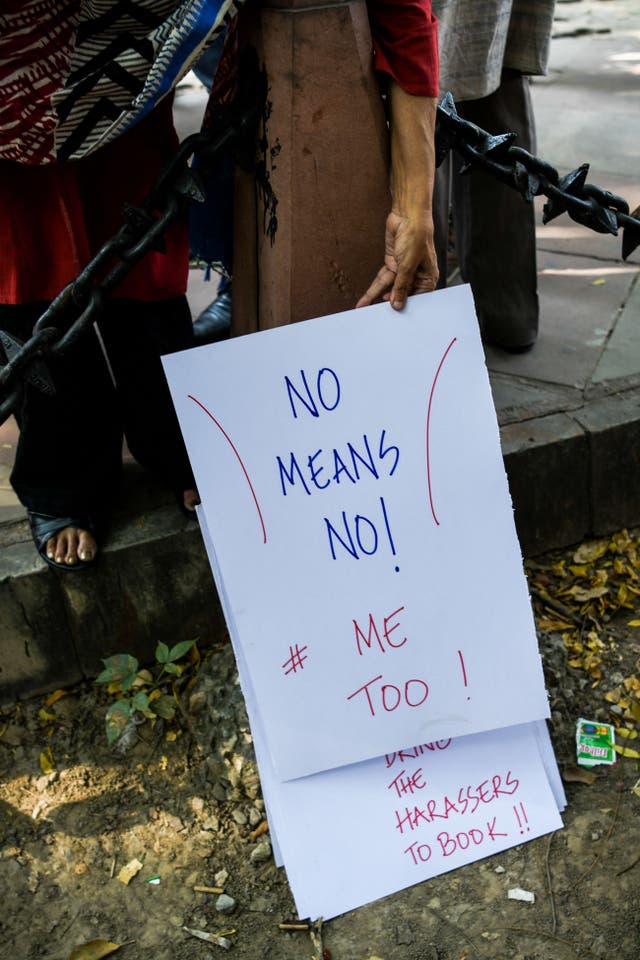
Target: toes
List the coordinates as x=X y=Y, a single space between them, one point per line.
x=51 y=548
x=58 y=546
x=87 y=547
x=69 y=539
x=70 y=545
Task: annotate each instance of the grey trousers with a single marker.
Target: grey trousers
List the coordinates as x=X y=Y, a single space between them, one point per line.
x=494 y=227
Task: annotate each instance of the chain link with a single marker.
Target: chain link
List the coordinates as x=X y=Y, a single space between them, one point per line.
x=585 y=203
x=80 y=303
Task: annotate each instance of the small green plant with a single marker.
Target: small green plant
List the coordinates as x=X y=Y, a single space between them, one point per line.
x=145 y=693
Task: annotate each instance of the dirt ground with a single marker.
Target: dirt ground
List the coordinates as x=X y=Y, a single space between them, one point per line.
x=185 y=801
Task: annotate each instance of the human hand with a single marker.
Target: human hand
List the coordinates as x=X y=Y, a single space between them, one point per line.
x=410 y=264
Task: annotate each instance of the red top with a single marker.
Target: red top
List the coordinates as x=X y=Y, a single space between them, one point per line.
x=55 y=217
x=405 y=43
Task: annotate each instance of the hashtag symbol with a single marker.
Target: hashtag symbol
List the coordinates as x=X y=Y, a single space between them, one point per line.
x=295 y=661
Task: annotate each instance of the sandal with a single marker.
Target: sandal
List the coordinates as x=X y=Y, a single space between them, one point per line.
x=44 y=527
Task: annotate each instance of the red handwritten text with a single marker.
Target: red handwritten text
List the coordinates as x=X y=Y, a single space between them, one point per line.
x=387 y=629
x=448 y=843
x=463 y=840
x=389 y=697
x=403 y=755
x=407 y=783
x=465 y=802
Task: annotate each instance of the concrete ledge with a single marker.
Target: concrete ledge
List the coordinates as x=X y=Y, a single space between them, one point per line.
x=575 y=475
x=152 y=582
x=612 y=425
x=547 y=464
x=36 y=650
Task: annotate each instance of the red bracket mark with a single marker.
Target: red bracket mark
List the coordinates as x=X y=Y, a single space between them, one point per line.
x=244 y=469
x=433 y=387
x=464 y=670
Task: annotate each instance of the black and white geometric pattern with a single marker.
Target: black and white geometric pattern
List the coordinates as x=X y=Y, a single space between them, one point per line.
x=87 y=70
x=128 y=55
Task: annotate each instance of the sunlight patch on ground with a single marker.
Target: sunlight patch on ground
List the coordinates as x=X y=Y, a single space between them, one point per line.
x=586 y=271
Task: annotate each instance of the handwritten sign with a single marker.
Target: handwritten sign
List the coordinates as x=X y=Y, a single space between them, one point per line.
x=388 y=823
x=352 y=481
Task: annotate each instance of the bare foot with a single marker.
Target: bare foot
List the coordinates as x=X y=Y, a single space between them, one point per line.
x=71 y=545
x=190 y=499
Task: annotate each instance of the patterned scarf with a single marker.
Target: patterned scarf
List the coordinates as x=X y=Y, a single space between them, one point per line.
x=75 y=74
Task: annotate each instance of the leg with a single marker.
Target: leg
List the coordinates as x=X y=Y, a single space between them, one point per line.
x=495 y=227
x=136 y=334
x=211 y=239
x=68 y=456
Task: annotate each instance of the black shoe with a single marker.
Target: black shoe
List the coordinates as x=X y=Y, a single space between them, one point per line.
x=214 y=323
x=510 y=334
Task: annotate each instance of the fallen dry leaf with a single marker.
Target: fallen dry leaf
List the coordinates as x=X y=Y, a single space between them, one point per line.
x=46 y=716
x=578 y=775
x=626 y=734
x=129 y=871
x=626 y=752
x=588 y=552
x=55 y=696
x=93 y=950
x=47 y=763
x=553 y=624
x=583 y=595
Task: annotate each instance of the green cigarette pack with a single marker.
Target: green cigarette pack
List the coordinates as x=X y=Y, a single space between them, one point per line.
x=594 y=743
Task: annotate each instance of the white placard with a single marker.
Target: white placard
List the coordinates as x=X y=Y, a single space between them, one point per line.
x=353 y=485
x=352 y=835
x=355 y=834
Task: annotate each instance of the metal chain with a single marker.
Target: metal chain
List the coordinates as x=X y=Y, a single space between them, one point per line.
x=79 y=304
x=585 y=203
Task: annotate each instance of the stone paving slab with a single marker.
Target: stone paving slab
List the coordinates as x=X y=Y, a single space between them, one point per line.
x=587 y=107
x=621 y=359
x=579 y=304
x=517 y=399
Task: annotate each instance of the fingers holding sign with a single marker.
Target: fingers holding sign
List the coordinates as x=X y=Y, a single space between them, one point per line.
x=410 y=264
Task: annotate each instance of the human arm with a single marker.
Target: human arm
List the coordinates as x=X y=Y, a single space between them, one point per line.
x=404 y=34
x=410 y=264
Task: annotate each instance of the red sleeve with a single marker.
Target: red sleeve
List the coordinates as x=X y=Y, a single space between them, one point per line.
x=405 y=43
